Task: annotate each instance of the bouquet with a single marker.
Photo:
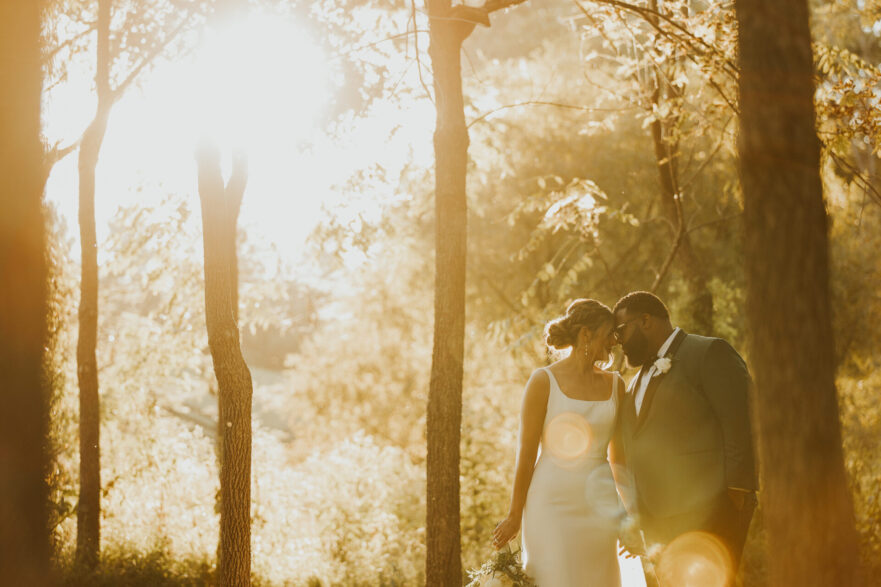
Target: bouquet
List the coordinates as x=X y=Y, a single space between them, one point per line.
x=503 y=569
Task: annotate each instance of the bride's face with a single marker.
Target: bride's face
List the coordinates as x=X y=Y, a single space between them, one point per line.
x=601 y=342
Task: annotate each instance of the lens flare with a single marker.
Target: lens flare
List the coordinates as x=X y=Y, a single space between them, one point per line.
x=567 y=438
x=695 y=559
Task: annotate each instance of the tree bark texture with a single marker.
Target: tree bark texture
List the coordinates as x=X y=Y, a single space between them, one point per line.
x=88 y=535
x=220 y=209
x=24 y=542
x=807 y=508
x=443 y=565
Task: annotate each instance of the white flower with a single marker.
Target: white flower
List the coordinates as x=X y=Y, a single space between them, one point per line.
x=663 y=364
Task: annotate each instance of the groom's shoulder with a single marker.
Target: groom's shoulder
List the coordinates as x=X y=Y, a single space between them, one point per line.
x=701 y=345
x=698 y=342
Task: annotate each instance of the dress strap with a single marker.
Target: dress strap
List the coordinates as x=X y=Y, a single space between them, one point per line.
x=551 y=378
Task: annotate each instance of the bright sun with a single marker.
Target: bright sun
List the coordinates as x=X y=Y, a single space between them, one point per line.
x=259 y=84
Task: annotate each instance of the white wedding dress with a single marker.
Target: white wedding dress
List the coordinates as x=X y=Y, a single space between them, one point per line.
x=570 y=520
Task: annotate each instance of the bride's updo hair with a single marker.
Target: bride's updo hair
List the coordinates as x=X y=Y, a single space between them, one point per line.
x=563 y=332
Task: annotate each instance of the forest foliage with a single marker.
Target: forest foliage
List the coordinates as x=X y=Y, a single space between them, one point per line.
x=564 y=202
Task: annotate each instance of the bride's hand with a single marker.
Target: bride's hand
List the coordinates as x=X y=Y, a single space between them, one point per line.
x=505 y=531
x=630 y=538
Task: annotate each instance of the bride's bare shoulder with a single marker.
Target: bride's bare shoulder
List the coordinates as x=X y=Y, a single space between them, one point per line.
x=539 y=376
x=539 y=382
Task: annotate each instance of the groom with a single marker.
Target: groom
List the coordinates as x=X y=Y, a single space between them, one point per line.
x=685 y=428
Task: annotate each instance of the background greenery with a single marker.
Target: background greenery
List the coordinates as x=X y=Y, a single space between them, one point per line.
x=563 y=195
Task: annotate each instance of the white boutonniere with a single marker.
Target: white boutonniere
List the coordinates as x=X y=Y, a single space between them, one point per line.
x=663 y=364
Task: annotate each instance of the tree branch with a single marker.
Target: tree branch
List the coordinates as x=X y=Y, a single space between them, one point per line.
x=416 y=45
x=867 y=186
x=648 y=14
x=235 y=187
x=712 y=222
x=149 y=58
x=56 y=50
x=56 y=154
x=495 y=5
x=709 y=158
x=545 y=103
x=677 y=241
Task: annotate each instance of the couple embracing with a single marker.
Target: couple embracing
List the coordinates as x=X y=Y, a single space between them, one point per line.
x=667 y=460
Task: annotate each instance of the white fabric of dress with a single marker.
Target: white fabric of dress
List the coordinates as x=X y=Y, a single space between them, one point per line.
x=572 y=512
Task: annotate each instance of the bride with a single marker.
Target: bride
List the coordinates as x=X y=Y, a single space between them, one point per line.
x=566 y=500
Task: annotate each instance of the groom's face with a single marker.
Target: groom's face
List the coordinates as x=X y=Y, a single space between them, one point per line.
x=633 y=340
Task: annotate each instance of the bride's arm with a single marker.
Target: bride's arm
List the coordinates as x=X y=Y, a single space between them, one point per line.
x=532 y=415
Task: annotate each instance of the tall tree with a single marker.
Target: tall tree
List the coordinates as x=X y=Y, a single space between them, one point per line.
x=89 y=508
x=24 y=543
x=808 y=513
x=448 y=28
x=143 y=36
x=221 y=202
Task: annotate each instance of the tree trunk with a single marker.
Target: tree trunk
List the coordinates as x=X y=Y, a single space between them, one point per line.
x=220 y=209
x=88 y=535
x=443 y=565
x=24 y=543
x=807 y=508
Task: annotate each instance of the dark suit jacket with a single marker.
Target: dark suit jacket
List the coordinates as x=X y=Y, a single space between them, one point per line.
x=692 y=439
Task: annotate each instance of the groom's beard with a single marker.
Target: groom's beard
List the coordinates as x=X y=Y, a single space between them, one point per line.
x=636 y=349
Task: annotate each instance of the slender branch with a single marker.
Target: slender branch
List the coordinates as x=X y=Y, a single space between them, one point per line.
x=712 y=222
x=150 y=57
x=494 y=5
x=545 y=103
x=724 y=96
x=400 y=79
x=474 y=71
x=395 y=37
x=651 y=16
x=610 y=271
x=235 y=187
x=677 y=241
x=563 y=254
x=867 y=186
x=710 y=157
x=648 y=14
x=56 y=153
x=416 y=46
x=67 y=43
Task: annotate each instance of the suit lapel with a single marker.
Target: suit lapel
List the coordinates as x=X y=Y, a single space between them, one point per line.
x=656 y=382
